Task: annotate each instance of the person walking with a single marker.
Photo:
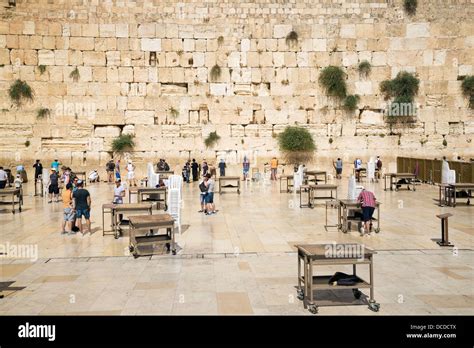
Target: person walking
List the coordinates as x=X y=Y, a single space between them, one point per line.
x=38 y=169
x=338 y=166
x=68 y=210
x=368 y=203
x=222 y=167
x=53 y=186
x=274 y=168
x=195 y=169
x=82 y=205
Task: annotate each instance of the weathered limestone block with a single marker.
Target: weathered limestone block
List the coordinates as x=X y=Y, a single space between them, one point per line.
x=371 y=117
x=94 y=58
x=276 y=116
x=170 y=131
x=190 y=130
x=45 y=57
x=139 y=117
x=237 y=130
x=418 y=30
x=281 y=30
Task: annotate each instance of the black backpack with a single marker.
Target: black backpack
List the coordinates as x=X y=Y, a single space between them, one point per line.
x=203 y=187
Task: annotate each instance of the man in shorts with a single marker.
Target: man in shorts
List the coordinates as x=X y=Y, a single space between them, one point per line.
x=53 y=186
x=210 y=183
x=82 y=204
x=69 y=214
x=367 y=200
x=338 y=167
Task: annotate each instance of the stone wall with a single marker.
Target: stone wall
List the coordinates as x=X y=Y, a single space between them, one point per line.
x=145 y=69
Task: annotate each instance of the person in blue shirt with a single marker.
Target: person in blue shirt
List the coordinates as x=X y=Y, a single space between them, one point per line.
x=55 y=165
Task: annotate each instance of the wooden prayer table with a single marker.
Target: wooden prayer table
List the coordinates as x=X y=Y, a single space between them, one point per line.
x=12 y=193
x=312 y=255
x=141 y=192
x=315 y=174
x=343 y=218
x=394 y=177
x=121 y=209
x=229 y=179
x=453 y=188
x=311 y=192
x=151 y=223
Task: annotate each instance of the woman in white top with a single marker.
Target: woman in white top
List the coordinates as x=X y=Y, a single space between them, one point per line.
x=131 y=174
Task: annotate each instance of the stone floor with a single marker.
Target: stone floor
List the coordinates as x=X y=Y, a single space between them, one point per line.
x=240 y=261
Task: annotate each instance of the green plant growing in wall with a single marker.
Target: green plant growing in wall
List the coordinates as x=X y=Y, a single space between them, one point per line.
x=173 y=112
x=220 y=40
x=43 y=112
x=296 y=145
x=364 y=68
x=445 y=142
x=402 y=89
x=330 y=140
x=215 y=72
x=292 y=38
x=211 y=139
x=27 y=143
x=20 y=91
x=332 y=79
x=410 y=6
x=467 y=87
x=75 y=75
x=42 y=69
x=123 y=143
x=351 y=101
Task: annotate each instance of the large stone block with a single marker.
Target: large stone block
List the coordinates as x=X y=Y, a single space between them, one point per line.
x=139 y=117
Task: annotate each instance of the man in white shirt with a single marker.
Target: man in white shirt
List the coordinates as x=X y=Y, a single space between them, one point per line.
x=210 y=183
x=3 y=178
x=119 y=192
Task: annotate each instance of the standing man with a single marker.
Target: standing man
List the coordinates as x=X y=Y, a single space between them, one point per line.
x=367 y=200
x=55 y=165
x=82 y=205
x=222 y=167
x=195 y=169
x=338 y=167
x=246 y=168
x=210 y=206
x=131 y=174
x=117 y=170
x=3 y=178
x=69 y=214
x=38 y=169
x=53 y=186
x=274 y=168
x=378 y=167
x=109 y=167
x=357 y=167
x=204 y=168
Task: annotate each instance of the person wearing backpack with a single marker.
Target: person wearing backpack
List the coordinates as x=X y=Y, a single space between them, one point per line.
x=203 y=188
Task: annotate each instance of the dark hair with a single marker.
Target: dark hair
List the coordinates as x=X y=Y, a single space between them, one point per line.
x=338 y=158
x=68 y=186
x=1 y=167
x=80 y=183
x=208 y=175
x=37 y=160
